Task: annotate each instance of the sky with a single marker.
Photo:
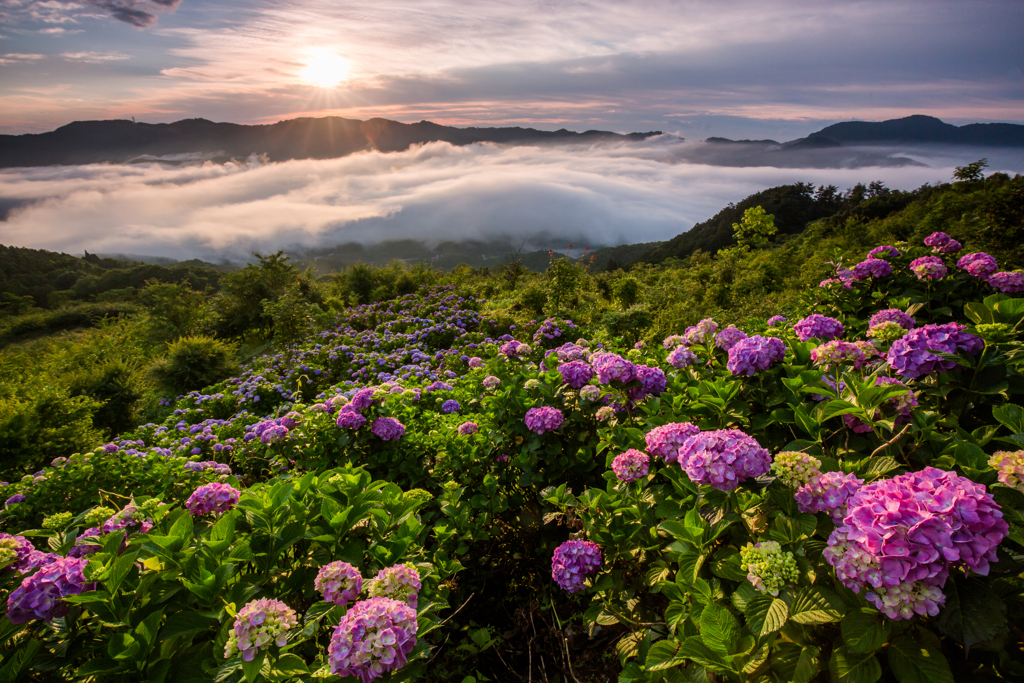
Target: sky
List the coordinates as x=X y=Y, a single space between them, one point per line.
x=735 y=68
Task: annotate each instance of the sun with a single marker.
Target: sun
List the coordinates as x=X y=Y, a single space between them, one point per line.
x=324 y=68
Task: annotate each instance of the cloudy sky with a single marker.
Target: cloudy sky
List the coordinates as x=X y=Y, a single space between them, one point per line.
x=736 y=68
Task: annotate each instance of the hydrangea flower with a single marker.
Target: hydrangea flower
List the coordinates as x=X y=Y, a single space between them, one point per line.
x=467 y=428
x=1007 y=282
x=590 y=392
x=907 y=532
x=258 y=624
x=374 y=637
x=682 y=357
x=212 y=498
x=362 y=399
x=795 y=469
x=844 y=283
x=819 y=326
x=400 y=582
x=873 y=267
x=886 y=332
x=1010 y=466
x=605 y=413
x=884 y=251
x=339 y=583
x=57 y=521
x=728 y=337
x=450 y=406
x=576 y=373
x=13 y=500
x=15 y=551
x=82 y=549
x=543 y=419
x=491 y=382
x=217 y=467
x=942 y=243
x=978 y=264
x=701 y=333
x=652 y=383
x=666 y=440
x=930 y=267
x=828 y=493
x=475 y=362
x=755 y=354
x=128 y=517
x=723 y=457
x=573 y=562
x=40 y=596
x=838 y=352
x=388 y=428
x=913 y=357
x=350 y=419
x=531 y=384
x=769 y=568
x=515 y=349
x=672 y=341
x=776 y=320
x=891 y=315
x=611 y=366
x=630 y=466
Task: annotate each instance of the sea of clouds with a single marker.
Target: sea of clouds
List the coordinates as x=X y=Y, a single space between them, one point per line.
x=612 y=194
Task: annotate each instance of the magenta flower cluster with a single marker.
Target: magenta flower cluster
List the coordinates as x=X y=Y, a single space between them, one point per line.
x=978 y=264
x=350 y=419
x=892 y=315
x=666 y=440
x=884 y=251
x=722 y=458
x=728 y=337
x=631 y=465
x=819 y=326
x=942 y=243
x=913 y=357
x=1007 y=282
x=467 y=428
x=928 y=267
x=212 y=498
x=838 y=352
x=40 y=596
x=573 y=562
x=576 y=373
x=701 y=333
x=681 y=357
x=543 y=419
x=872 y=267
x=18 y=550
x=388 y=428
x=652 y=383
x=612 y=367
x=903 y=535
x=776 y=320
x=339 y=583
x=515 y=349
x=129 y=517
x=828 y=493
x=258 y=624
x=755 y=354
x=374 y=637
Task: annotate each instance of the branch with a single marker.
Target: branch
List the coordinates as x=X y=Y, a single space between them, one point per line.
x=890 y=441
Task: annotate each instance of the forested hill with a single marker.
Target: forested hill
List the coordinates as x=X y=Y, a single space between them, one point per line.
x=85 y=142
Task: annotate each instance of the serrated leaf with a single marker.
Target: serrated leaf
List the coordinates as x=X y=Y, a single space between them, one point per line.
x=815 y=605
x=663 y=655
x=880 y=465
x=719 y=629
x=972 y=613
x=1011 y=416
x=918 y=661
x=865 y=630
x=850 y=667
x=766 y=614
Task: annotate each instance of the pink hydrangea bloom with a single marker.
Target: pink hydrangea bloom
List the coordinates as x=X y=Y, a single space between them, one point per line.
x=873 y=267
x=400 y=582
x=1007 y=282
x=978 y=264
x=339 y=582
x=755 y=354
x=666 y=440
x=573 y=562
x=722 y=458
x=212 y=498
x=374 y=637
x=258 y=624
x=40 y=596
x=543 y=419
x=828 y=493
x=928 y=267
x=728 y=337
x=612 y=367
x=942 y=243
x=631 y=465
x=819 y=326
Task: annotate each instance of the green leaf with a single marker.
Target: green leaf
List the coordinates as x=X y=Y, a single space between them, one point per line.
x=663 y=655
x=806 y=665
x=1010 y=416
x=850 y=667
x=695 y=650
x=290 y=665
x=252 y=669
x=865 y=630
x=815 y=605
x=118 y=570
x=972 y=613
x=19 y=662
x=918 y=661
x=719 y=629
x=766 y=614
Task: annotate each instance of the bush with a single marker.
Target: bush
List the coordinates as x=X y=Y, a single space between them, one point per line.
x=193 y=363
x=118 y=390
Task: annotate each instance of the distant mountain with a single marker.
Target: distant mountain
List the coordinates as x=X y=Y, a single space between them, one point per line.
x=84 y=142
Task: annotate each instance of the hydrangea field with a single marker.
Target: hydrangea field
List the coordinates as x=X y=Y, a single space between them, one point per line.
x=426 y=490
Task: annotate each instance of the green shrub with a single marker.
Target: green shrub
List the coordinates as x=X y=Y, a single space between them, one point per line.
x=193 y=363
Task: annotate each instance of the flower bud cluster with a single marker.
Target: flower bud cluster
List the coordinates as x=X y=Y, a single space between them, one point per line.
x=886 y=332
x=257 y=625
x=769 y=568
x=630 y=466
x=838 y=352
x=400 y=582
x=795 y=469
x=573 y=562
x=339 y=582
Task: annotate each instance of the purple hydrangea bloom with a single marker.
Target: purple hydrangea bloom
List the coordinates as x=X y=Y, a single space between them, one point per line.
x=1007 y=282
x=884 y=251
x=611 y=366
x=350 y=419
x=569 y=352
x=902 y=535
x=388 y=428
x=630 y=466
x=930 y=267
x=274 y=434
x=212 y=498
x=652 y=383
x=491 y=382
x=723 y=457
x=576 y=373
x=258 y=624
x=475 y=362
x=837 y=352
x=672 y=341
x=892 y=315
x=978 y=264
x=666 y=440
x=819 y=326
x=828 y=493
x=872 y=267
x=942 y=243
x=450 y=406
x=845 y=283
x=754 y=354
x=18 y=548
x=361 y=400
x=728 y=337
x=16 y=498
x=776 y=320
x=82 y=549
x=681 y=357
x=40 y=595
x=400 y=582
x=339 y=582
x=913 y=357
x=544 y=419
x=217 y=467
x=130 y=516
x=590 y=392
x=573 y=562
x=467 y=428
x=701 y=333
x=515 y=349
x=374 y=637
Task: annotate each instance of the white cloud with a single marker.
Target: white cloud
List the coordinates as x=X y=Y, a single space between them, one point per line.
x=94 y=57
x=609 y=194
x=10 y=58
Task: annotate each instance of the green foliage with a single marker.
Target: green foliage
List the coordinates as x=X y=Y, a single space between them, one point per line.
x=117 y=386
x=971 y=172
x=626 y=291
x=193 y=363
x=755 y=228
x=175 y=310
